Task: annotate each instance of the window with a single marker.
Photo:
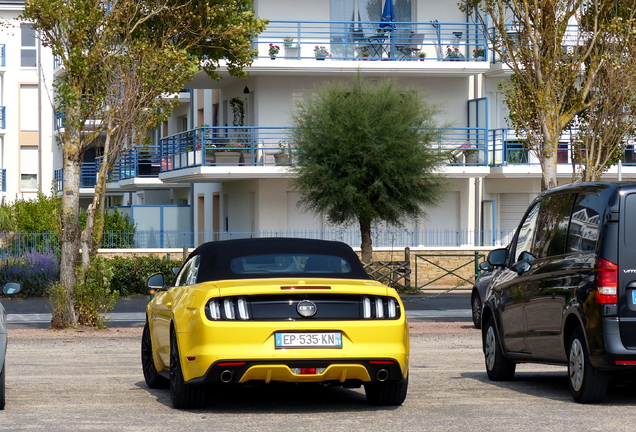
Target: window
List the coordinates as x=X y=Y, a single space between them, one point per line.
x=28 y=105
x=526 y=233
x=29 y=168
x=552 y=225
x=188 y=274
x=28 y=52
x=290 y=263
x=584 y=228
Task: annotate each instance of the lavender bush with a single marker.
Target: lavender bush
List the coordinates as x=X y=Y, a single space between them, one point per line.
x=35 y=271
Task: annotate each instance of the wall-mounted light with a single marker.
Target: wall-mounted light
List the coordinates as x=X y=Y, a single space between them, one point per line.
x=246 y=90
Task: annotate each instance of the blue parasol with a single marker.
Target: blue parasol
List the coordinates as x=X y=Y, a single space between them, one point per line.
x=388 y=15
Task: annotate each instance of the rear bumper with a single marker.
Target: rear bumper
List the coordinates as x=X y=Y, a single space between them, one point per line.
x=364 y=344
x=339 y=370
x=615 y=352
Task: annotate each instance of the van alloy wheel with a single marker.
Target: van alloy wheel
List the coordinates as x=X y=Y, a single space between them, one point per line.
x=587 y=384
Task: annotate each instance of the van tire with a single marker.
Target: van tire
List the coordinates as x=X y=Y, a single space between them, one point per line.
x=587 y=384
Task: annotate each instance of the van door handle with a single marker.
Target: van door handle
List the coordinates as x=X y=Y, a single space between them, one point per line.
x=631 y=284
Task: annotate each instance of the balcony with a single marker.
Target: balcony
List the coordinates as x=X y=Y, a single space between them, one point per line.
x=349 y=40
x=137 y=163
x=3 y=180
x=274 y=146
x=509 y=155
x=239 y=152
x=88 y=176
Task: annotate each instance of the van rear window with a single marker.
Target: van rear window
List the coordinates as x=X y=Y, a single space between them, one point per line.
x=585 y=223
x=630 y=215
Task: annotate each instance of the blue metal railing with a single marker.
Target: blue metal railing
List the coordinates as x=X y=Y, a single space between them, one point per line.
x=3 y=180
x=3 y=56
x=137 y=162
x=249 y=145
x=21 y=243
x=3 y=117
x=348 y=40
x=88 y=176
x=506 y=147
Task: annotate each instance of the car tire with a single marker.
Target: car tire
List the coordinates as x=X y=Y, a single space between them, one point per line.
x=388 y=393
x=475 y=302
x=182 y=395
x=2 y=388
x=587 y=384
x=152 y=377
x=497 y=366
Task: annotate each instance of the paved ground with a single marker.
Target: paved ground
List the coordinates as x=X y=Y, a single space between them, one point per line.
x=92 y=381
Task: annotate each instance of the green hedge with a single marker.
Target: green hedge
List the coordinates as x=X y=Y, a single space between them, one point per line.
x=130 y=274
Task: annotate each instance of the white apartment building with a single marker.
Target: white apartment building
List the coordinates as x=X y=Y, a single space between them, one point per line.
x=27 y=147
x=218 y=168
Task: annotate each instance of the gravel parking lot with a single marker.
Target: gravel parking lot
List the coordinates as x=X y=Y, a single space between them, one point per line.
x=92 y=381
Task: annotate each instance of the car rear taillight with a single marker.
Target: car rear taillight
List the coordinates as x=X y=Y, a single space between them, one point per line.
x=379 y=308
x=607 y=282
x=227 y=309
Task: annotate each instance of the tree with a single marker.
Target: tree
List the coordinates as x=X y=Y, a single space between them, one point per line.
x=611 y=112
x=363 y=154
x=106 y=50
x=549 y=85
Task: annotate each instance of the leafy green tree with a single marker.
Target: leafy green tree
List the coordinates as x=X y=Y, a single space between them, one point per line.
x=548 y=87
x=118 y=57
x=611 y=112
x=364 y=154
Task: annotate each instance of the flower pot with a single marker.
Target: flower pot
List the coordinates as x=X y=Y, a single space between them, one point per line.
x=320 y=58
x=227 y=157
x=273 y=58
x=282 y=159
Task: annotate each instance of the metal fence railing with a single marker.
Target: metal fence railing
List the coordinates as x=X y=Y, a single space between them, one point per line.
x=460 y=268
x=19 y=243
x=372 y=40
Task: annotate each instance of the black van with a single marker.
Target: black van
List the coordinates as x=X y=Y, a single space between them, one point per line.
x=564 y=290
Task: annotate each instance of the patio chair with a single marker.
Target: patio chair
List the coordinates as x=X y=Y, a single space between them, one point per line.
x=408 y=47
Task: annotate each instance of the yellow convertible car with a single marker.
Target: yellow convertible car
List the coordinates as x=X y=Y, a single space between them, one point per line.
x=274 y=310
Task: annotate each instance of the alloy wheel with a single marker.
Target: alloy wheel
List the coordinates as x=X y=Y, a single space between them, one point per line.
x=491 y=346
x=576 y=366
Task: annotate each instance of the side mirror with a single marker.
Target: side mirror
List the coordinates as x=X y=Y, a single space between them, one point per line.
x=485 y=266
x=498 y=257
x=521 y=267
x=155 y=281
x=11 y=288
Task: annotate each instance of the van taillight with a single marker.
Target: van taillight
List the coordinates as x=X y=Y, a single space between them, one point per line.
x=607 y=282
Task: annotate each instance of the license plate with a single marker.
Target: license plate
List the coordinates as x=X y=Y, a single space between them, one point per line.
x=309 y=340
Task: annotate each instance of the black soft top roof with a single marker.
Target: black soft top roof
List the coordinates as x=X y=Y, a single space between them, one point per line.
x=216 y=256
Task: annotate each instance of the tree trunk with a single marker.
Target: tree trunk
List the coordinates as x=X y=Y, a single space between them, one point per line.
x=548 y=157
x=64 y=311
x=86 y=237
x=366 y=247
